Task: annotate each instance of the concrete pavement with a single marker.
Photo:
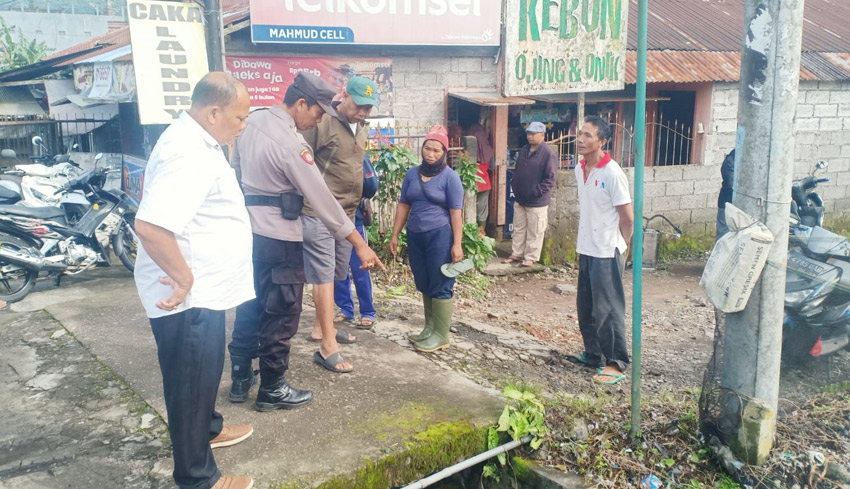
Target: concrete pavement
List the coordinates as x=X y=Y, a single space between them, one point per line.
x=396 y=417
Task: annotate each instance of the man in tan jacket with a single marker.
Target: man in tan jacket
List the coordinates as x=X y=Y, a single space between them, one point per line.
x=339 y=145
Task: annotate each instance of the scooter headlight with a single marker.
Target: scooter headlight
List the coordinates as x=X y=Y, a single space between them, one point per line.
x=44 y=197
x=792 y=299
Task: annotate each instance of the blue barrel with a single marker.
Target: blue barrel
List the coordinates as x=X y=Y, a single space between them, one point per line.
x=508 y=230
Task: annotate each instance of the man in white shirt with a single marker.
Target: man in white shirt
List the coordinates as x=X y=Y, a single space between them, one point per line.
x=605 y=228
x=194 y=262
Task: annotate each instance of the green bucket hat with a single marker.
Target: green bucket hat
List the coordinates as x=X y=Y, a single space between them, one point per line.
x=363 y=91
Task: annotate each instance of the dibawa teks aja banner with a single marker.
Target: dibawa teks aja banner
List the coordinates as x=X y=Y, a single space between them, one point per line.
x=169 y=56
x=407 y=22
x=560 y=46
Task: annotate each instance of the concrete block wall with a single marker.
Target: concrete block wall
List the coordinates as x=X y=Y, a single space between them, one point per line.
x=687 y=195
x=822 y=133
x=420 y=84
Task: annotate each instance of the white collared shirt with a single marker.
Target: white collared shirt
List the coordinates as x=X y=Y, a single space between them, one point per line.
x=191 y=190
x=605 y=188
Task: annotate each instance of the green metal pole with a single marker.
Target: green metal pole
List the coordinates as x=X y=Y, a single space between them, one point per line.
x=637 y=241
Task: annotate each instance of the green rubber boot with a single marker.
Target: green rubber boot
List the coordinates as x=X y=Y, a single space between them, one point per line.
x=429 y=322
x=442 y=321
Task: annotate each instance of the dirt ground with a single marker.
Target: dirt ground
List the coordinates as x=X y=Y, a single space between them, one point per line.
x=677 y=332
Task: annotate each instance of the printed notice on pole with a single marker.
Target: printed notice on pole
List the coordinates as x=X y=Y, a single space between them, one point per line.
x=169 y=56
x=563 y=46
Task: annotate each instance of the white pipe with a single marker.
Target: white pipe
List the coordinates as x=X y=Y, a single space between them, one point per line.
x=454 y=469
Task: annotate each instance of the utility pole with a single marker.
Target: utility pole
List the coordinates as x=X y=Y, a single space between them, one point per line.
x=764 y=154
x=215 y=35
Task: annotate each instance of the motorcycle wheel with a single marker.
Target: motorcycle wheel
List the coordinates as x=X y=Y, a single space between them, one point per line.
x=125 y=243
x=15 y=281
x=797 y=342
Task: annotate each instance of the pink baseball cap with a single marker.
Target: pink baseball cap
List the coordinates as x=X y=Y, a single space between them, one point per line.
x=438 y=133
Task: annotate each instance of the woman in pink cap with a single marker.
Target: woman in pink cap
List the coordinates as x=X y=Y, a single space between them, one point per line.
x=430 y=204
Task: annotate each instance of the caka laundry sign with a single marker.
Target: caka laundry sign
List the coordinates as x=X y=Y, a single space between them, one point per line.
x=169 y=56
x=561 y=46
x=403 y=22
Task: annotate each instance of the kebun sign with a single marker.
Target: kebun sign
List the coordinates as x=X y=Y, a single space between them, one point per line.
x=560 y=46
x=403 y=22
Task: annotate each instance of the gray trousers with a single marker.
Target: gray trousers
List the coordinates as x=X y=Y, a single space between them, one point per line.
x=601 y=304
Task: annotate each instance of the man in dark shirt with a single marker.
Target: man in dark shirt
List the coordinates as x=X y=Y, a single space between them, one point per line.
x=727 y=172
x=532 y=184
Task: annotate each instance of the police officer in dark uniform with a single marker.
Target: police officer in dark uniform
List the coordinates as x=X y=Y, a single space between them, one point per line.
x=276 y=169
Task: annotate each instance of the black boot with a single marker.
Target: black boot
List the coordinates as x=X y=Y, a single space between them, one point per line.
x=243 y=378
x=275 y=393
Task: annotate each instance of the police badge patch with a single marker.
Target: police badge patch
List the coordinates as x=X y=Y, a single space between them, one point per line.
x=307 y=156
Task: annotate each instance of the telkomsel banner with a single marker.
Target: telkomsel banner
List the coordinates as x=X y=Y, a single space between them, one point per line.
x=268 y=77
x=169 y=56
x=562 y=46
x=404 y=22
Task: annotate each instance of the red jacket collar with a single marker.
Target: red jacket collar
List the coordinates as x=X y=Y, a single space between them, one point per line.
x=604 y=161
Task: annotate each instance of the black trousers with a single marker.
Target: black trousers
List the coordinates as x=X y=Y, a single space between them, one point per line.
x=267 y=324
x=190 y=348
x=601 y=303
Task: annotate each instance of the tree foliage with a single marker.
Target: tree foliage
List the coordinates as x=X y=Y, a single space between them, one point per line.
x=15 y=50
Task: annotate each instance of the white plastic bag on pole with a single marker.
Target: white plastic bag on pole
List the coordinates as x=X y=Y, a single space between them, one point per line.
x=736 y=261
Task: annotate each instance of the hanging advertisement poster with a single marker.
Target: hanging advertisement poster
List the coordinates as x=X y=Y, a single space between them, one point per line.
x=268 y=77
x=401 y=22
x=565 y=46
x=169 y=48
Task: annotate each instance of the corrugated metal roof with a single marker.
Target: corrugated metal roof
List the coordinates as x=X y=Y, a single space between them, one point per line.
x=232 y=11
x=823 y=68
x=491 y=98
x=18 y=101
x=718 y=25
x=703 y=66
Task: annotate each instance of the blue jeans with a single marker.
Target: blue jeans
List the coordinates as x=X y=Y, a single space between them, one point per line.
x=362 y=283
x=427 y=252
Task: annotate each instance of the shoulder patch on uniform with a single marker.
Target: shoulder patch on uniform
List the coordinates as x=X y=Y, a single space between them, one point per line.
x=307 y=156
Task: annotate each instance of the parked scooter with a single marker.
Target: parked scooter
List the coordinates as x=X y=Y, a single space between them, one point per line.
x=817 y=283
x=40 y=239
x=34 y=184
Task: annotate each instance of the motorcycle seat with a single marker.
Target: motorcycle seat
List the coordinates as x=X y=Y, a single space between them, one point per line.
x=48 y=212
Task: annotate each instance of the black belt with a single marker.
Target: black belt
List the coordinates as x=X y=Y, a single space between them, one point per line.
x=263 y=200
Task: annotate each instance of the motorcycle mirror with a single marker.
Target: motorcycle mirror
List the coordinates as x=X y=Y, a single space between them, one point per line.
x=36 y=140
x=98 y=157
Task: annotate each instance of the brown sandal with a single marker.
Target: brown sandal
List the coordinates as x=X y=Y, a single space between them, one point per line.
x=512 y=259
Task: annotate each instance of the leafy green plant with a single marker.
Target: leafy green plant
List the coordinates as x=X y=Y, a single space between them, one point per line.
x=523 y=415
x=15 y=53
x=479 y=248
x=467 y=170
x=391 y=164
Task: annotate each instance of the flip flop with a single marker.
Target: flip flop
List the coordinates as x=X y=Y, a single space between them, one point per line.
x=452 y=270
x=580 y=358
x=512 y=259
x=360 y=324
x=527 y=264
x=616 y=378
x=331 y=362
x=341 y=318
x=341 y=337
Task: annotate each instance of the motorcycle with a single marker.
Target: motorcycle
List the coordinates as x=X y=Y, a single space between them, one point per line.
x=40 y=239
x=34 y=184
x=817 y=282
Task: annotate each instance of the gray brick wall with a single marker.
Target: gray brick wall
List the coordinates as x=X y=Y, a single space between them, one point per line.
x=420 y=84
x=688 y=194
